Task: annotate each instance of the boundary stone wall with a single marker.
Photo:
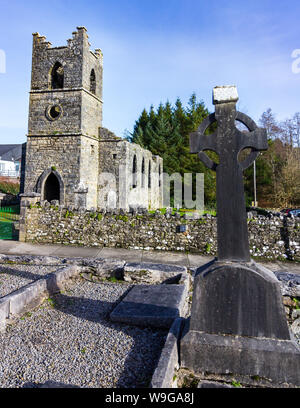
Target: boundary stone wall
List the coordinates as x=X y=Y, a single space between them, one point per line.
x=275 y=237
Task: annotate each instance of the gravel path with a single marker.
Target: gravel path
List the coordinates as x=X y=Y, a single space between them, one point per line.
x=14 y=276
x=68 y=341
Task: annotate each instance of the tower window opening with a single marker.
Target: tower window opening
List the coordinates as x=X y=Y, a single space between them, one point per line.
x=143 y=173
x=54 y=112
x=93 y=82
x=134 y=174
x=57 y=76
x=149 y=175
x=159 y=176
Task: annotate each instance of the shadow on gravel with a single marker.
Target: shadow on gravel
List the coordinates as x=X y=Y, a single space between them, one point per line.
x=48 y=384
x=147 y=342
x=8 y=270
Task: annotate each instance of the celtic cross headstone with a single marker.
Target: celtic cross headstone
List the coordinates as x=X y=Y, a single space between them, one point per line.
x=227 y=142
x=238 y=324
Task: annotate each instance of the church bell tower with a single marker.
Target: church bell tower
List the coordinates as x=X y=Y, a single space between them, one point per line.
x=65 y=116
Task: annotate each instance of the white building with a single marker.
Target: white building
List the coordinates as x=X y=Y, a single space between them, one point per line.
x=9 y=168
x=10 y=160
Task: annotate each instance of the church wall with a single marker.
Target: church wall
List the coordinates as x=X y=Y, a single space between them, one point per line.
x=89 y=168
x=44 y=153
x=112 y=161
x=68 y=122
x=91 y=115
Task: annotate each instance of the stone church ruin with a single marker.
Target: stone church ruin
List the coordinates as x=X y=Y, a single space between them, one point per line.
x=70 y=158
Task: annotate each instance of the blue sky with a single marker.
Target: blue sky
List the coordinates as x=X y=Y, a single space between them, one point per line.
x=158 y=50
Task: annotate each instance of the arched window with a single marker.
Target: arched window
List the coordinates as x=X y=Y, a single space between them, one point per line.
x=143 y=173
x=134 y=172
x=159 y=176
x=51 y=188
x=57 y=76
x=149 y=175
x=93 y=82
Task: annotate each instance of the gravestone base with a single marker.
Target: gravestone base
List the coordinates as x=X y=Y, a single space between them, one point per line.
x=277 y=361
x=238 y=325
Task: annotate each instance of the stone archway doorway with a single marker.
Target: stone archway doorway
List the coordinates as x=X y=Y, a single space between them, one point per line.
x=51 y=188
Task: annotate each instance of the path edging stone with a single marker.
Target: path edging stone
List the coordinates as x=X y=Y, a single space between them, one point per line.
x=33 y=294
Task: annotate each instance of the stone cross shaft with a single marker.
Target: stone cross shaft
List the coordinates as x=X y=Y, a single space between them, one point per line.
x=227 y=142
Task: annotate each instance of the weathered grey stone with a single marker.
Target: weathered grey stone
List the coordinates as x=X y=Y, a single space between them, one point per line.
x=33 y=294
x=151 y=273
x=213 y=384
x=227 y=142
x=295 y=327
x=237 y=312
x=295 y=313
x=27 y=297
x=154 y=306
x=238 y=323
x=169 y=358
x=31 y=259
x=56 y=280
x=226 y=93
x=276 y=360
x=4 y=313
x=236 y=299
x=65 y=119
x=290 y=283
x=155 y=232
x=104 y=268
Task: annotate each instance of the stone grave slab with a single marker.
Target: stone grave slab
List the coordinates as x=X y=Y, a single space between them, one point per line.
x=151 y=306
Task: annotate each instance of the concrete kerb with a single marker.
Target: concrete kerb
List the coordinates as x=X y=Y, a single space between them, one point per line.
x=163 y=376
x=33 y=294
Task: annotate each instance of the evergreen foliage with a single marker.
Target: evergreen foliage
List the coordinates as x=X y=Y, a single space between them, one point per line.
x=165 y=132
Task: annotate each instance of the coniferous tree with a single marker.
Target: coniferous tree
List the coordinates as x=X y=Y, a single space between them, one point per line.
x=165 y=132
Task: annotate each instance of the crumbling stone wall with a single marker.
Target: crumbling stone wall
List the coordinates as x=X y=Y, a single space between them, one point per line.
x=116 y=157
x=269 y=237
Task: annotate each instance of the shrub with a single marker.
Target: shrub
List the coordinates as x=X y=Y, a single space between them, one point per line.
x=9 y=188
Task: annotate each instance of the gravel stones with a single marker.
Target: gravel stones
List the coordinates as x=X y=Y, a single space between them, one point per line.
x=69 y=341
x=14 y=276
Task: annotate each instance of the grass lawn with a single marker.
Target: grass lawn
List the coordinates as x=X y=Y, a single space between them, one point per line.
x=183 y=211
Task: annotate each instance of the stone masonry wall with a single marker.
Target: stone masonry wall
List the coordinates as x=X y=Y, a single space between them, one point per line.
x=116 y=158
x=46 y=153
x=270 y=238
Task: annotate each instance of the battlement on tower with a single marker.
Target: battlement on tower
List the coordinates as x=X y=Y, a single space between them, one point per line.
x=79 y=38
x=75 y=64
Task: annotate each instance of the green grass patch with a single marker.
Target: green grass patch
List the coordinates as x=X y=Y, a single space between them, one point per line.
x=123 y=218
x=51 y=302
x=236 y=384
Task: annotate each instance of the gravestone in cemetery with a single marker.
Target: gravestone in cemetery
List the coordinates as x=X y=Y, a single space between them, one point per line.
x=237 y=323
